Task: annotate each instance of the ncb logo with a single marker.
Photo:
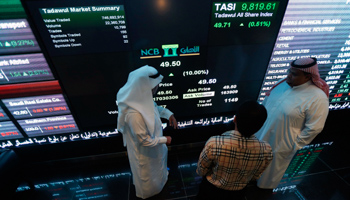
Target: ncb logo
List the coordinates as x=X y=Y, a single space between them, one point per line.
x=169 y=50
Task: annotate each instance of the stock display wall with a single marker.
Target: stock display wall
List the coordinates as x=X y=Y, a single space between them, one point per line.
x=62 y=62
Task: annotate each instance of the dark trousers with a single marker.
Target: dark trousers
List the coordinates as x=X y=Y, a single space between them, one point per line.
x=210 y=192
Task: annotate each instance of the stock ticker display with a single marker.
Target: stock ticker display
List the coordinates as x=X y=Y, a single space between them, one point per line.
x=319 y=29
x=17 y=37
x=213 y=55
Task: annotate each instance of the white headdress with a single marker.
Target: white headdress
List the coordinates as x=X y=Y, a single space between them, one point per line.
x=137 y=94
x=308 y=65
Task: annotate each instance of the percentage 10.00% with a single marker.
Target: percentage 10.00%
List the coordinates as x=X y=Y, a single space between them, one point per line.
x=196 y=72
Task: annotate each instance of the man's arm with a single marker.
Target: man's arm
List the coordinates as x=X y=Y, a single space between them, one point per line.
x=205 y=160
x=167 y=114
x=315 y=119
x=268 y=156
x=163 y=112
x=139 y=130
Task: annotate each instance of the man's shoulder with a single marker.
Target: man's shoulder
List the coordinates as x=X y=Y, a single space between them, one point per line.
x=223 y=136
x=316 y=96
x=316 y=91
x=130 y=110
x=132 y=113
x=213 y=139
x=264 y=145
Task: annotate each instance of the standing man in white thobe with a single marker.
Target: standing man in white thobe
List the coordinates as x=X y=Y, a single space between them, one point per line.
x=297 y=108
x=140 y=124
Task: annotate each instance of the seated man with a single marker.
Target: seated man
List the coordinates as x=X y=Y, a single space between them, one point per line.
x=230 y=161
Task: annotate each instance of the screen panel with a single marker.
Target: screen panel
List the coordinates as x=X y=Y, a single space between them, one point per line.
x=3 y=115
x=37 y=106
x=16 y=37
x=213 y=56
x=9 y=131
x=24 y=68
x=314 y=29
x=206 y=67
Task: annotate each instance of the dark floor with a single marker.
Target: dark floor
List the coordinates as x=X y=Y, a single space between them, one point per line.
x=320 y=172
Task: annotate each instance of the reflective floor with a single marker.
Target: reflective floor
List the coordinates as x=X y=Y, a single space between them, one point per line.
x=319 y=172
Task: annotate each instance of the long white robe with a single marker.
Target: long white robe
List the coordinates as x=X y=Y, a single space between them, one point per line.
x=147 y=154
x=295 y=117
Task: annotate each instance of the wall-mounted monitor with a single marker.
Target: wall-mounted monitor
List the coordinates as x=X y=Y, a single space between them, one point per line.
x=213 y=55
x=317 y=29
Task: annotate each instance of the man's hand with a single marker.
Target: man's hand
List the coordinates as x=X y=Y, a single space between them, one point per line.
x=173 y=122
x=168 y=140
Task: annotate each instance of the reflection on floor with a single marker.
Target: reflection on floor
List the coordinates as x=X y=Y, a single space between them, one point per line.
x=319 y=172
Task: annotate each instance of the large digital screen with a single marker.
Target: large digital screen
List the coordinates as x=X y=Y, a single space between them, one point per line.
x=205 y=54
x=317 y=29
x=16 y=37
x=24 y=68
x=9 y=131
x=213 y=54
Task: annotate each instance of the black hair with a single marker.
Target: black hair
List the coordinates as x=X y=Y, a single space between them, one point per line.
x=250 y=117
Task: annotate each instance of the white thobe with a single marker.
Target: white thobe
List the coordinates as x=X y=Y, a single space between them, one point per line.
x=295 y=117
x=147 y=153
